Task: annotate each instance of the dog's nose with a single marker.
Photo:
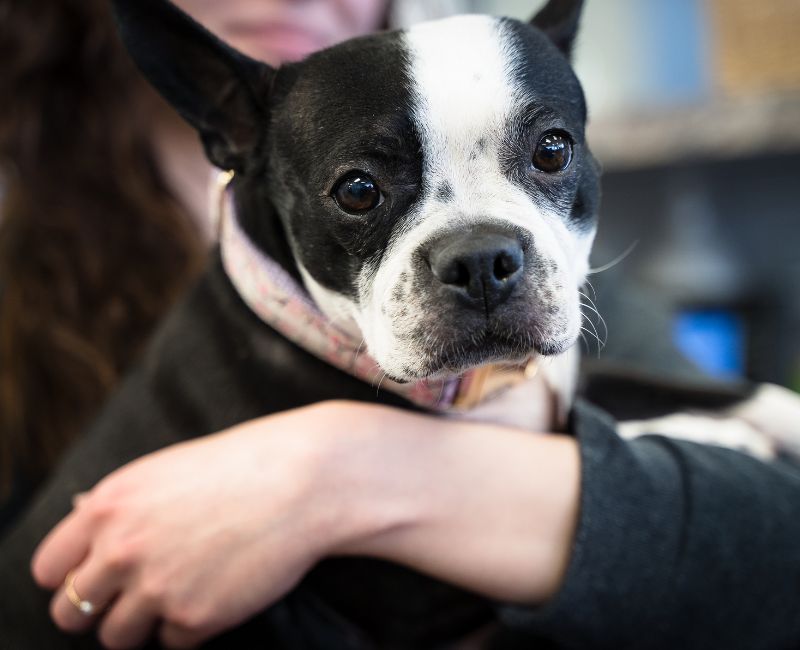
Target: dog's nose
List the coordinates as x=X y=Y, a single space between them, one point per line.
x=481 y=267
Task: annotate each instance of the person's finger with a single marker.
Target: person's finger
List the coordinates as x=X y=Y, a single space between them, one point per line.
x=90 y=583
x=128 y=624
x=65 y=547
x=175 y=636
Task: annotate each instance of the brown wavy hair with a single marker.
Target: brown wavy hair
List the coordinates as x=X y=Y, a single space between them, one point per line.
x=93 y=246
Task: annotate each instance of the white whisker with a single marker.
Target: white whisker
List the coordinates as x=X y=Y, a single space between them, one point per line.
x=601 y=320
x=378 y=389
x=615 y=261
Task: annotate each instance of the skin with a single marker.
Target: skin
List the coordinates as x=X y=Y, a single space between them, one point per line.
x=281 y=493
x=284 y=491
x=279 y=31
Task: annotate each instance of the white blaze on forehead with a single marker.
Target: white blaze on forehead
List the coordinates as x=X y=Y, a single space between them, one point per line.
x=465 y=93
x=461 y=75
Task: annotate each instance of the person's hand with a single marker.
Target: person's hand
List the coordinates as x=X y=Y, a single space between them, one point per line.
x=200 y=536
x=194 y=538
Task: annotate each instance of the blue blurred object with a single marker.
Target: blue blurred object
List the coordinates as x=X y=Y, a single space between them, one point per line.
x=675 y=41
x=714 y=339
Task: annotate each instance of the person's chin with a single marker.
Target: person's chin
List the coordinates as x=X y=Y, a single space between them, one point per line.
x=278 y=49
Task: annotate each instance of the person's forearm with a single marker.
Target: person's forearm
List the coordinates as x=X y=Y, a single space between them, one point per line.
x=488 y=508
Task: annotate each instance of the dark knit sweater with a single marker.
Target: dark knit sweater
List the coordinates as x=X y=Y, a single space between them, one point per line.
x=679 y=545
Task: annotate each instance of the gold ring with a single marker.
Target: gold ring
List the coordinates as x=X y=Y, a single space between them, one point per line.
x=84 y=606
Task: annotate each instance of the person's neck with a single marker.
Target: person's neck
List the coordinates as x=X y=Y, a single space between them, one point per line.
x=183 y=163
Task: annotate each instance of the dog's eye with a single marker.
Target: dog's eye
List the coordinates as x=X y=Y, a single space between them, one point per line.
x=553 y=152
x=357 y=193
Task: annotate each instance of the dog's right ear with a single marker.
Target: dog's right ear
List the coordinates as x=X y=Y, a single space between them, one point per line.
x=219 y=91
x=559 y=20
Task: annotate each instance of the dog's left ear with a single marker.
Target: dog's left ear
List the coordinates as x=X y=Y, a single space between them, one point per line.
x=559 y=19
x=219 y=91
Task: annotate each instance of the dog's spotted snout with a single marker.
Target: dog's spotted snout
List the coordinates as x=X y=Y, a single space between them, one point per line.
x=481 y=268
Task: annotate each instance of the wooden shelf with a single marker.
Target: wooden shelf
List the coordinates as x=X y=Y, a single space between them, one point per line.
x=720 y=130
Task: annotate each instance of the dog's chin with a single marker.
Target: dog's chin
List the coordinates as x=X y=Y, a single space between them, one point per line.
x=459 y=358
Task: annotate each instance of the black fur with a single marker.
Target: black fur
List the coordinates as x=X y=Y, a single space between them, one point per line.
x=559 y=19
x=444 y=192
x=320 y=132
x=635 y=394
x=556 y=101
x=214 y=364
x=216 y=89
x=289 y=134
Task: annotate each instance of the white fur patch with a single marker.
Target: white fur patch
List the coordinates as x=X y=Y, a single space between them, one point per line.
x=461 y=74
x=465 y=96
x=775 y=411
x=763 y=425
x=710 y=429
x=336 y=307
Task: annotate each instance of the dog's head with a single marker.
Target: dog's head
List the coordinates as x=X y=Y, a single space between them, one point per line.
x=433 y=185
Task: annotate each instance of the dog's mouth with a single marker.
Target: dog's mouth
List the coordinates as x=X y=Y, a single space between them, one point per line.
x=481 y=348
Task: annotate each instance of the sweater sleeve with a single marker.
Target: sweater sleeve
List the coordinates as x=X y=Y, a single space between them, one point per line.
x=678 y=545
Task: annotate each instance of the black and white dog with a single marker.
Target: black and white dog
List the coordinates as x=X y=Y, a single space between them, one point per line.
x=427 y=194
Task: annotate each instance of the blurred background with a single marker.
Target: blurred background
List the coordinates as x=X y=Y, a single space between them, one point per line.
x=105 y=222
x=695 y=118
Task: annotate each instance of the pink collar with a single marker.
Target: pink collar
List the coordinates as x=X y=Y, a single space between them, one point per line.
x=283 y=304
